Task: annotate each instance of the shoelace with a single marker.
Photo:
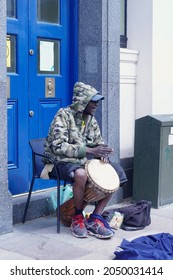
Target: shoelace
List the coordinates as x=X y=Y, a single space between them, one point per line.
x=79 y=222
x=100 y=218
x=99 y=222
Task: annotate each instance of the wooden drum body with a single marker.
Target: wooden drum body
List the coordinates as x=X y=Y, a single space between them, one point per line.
x=102 y=181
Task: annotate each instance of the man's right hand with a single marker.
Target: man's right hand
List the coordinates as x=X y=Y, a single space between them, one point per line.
x=100 y=151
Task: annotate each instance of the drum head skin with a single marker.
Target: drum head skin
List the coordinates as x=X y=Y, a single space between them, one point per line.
x=103 y=175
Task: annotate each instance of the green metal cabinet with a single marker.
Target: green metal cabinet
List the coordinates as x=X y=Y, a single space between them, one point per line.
x=153 y=159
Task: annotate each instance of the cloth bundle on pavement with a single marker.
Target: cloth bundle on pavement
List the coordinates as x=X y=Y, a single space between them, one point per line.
x=151 y=247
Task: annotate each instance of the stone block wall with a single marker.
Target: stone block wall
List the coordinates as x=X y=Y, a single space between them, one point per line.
x=5 y=196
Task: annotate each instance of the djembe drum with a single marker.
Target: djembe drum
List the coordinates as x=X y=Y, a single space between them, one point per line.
x=102 y=181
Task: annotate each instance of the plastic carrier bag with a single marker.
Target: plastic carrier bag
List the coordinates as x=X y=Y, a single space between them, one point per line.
x=66 y=192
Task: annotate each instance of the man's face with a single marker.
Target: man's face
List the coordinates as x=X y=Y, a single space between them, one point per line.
x=91 y=108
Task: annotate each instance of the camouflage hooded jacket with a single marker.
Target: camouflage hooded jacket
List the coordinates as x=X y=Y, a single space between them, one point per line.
x=68 y=136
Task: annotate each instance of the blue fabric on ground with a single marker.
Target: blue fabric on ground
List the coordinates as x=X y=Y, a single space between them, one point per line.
x=152 y=247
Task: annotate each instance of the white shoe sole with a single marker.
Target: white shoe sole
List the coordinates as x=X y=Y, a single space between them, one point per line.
x=99 y=235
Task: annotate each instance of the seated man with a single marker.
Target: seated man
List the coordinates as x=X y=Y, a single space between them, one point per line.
x=74 y=133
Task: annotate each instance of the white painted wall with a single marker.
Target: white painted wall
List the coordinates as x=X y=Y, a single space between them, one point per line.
x=162 y=57
x=139 y=33
x=149 y=32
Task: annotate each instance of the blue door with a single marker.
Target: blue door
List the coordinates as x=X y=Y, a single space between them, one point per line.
x=41 y=73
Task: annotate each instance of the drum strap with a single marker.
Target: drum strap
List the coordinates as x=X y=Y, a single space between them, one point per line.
x=99 y=217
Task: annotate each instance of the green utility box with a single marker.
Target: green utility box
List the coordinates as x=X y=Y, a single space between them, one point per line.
x=153 y=159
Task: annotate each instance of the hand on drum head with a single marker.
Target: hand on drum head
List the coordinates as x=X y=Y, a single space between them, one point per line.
x=101 y=151
x=105 y=159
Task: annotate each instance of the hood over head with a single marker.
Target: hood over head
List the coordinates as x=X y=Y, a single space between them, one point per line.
x=82 y=95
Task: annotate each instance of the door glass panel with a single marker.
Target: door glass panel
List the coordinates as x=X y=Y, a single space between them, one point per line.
x=11 y=8
x=48 y=11
x=11 y=53
x=48 y=56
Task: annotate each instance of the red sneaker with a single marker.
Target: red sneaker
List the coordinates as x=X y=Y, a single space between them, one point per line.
x=78 y=226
